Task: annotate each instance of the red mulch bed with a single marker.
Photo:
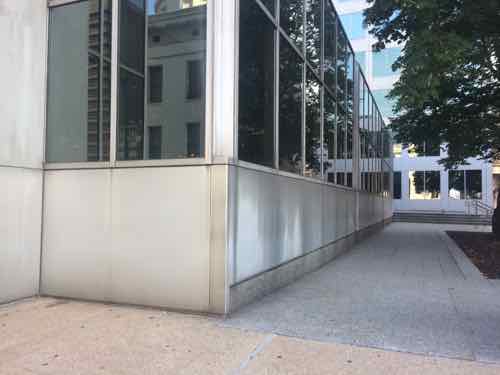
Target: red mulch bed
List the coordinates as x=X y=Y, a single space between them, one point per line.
x=482 y=250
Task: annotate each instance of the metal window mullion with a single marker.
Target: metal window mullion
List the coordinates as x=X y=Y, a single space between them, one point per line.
x=346 y=107
x=114 y=83
x=322 y=90
x=145 y=86
x=304 y=91
x=276 y=85
x=101 y=82
x=336 y=145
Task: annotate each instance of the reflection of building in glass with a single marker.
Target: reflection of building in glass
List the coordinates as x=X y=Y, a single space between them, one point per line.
x=99 y=82
x=176 y=89
x=164 y=6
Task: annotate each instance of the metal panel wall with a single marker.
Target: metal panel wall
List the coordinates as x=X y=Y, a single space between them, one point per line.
x=23 y=26
x=20 y=226
x=279 y=218
x=138 y=235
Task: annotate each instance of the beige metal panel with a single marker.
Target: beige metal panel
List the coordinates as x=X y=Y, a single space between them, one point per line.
x=20 y=226
x=160 y=246
x=76 y=254
x=23 y=38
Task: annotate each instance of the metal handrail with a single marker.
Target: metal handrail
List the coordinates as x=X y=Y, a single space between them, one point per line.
x=478 y=207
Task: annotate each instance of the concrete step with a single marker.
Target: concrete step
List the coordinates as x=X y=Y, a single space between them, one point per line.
x=439 y=218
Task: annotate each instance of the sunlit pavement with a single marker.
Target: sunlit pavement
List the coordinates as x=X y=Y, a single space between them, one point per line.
x=48 y=336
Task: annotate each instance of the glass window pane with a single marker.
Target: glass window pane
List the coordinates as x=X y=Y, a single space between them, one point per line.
x=385 y=105
x=131 y=116
x=177 y=42
x=383 y=61
x=292 y=20
x=456 y=185
x=195 y=82
x=78 y=83
x=256 y=86
x=155 y=84
x=330 y=46
x=313 y=126
x=397 y=185
x=353 y=24
x=474 y=184
x=361 y=59
x=329 y=118
x=290 y=109
x=340 y=164
x=433 y=185
x=341 y=69
x=417 y=185
x=313 y=32
x=269 y=4
x=132 y=34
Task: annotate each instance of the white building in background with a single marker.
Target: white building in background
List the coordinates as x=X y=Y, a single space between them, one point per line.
x=420 y=183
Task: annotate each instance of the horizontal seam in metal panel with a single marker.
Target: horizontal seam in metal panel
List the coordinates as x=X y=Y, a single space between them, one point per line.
x=20 y=167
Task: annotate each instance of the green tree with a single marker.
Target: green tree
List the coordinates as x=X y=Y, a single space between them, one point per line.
x=449 y=89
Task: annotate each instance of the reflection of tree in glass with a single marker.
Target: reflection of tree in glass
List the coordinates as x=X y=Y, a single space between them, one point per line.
x=313 y=125
x=292 y=20
x=330 y=43
x=256 y=86
x=313 y=32
x=290 y=109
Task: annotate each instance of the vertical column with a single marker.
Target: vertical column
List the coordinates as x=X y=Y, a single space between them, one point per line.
x=222 y=72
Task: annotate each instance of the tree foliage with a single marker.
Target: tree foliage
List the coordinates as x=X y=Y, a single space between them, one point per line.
x=449 y=88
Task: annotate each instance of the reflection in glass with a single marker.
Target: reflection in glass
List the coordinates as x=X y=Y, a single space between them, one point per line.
x=425 y=185
x=340 y=164
x=474 y=184
x=353 y=23
x=329 y=126
x=290 y=109
x=313 y=32
x=341 y=69
x=313 y=126
x=292 y=20
x=256 y=86
x=175 y=46
x=79 y=81
x=330 y=46
x=383 y=61
x=397 y=192
x=269 y=4
x=456 y=184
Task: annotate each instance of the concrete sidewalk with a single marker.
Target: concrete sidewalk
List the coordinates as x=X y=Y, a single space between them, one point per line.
x=49 y=336
x=407 y=288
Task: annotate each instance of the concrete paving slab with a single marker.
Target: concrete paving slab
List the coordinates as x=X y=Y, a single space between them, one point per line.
x=294 y=356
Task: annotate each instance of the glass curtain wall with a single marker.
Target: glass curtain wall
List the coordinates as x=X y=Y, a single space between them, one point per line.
x=297 y=92
x=161 y=80
x=79 y=82
x=374 y=143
